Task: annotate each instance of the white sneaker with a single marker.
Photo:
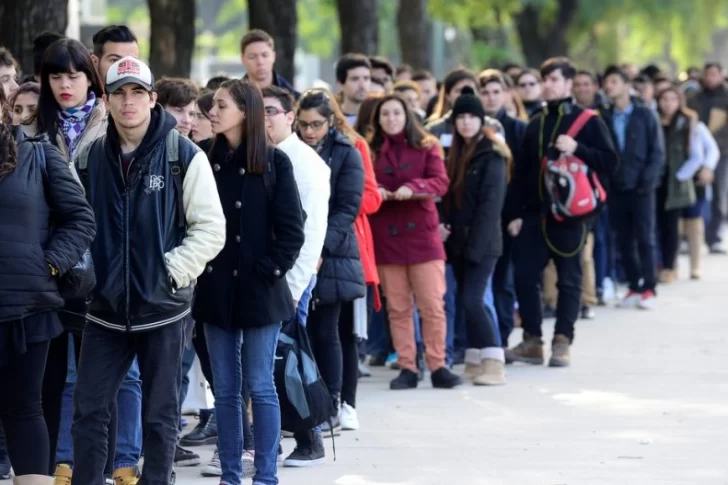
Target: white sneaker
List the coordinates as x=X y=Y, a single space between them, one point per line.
x=648 y=301
x=348 y=419
x=609 y=291
x=213 y=469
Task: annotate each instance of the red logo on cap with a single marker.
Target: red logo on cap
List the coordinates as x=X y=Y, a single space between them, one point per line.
x=128 y=67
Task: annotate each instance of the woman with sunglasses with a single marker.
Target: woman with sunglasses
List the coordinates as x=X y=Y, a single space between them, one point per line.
x=528 y=87
x=340 y=279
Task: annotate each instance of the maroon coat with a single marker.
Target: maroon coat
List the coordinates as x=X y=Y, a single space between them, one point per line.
x=406 y=232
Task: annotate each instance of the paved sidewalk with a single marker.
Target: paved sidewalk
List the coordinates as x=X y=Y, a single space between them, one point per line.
x=645 y=403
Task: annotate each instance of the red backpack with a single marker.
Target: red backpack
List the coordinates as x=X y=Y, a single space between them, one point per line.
x=573 y=188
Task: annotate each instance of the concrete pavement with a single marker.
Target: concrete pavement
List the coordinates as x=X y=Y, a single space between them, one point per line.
x=644 y=403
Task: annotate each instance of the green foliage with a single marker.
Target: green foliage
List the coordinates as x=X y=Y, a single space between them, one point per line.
x=619 y=30
x=318 y=26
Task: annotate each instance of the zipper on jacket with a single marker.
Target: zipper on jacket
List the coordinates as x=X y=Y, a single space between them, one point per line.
x=125 y=226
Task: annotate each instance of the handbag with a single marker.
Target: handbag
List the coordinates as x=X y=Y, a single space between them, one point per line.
x=79 y=281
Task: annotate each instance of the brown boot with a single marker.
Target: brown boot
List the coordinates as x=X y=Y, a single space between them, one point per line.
x=63 y=474
x=560 y=351
x=126 y=476
x=530 y=351
x=695 y=232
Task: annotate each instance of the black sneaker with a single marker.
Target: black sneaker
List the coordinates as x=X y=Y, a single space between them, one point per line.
x=205 y=433
x=405 y=380
x=184 y=457
x=443 y=378
x=307 y=456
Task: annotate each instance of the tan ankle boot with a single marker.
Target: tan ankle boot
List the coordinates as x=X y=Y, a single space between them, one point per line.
x=667 y=276
x=126 y=476
x=33 y=480
x=530 y=351
x=473 y=364
x=695 y=231
x=494 y=373
x=63 y=475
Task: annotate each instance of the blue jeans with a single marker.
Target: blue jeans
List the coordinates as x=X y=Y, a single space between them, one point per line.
x=129 y=429
x=379 y=341
x=64 y=449
x=226 y=348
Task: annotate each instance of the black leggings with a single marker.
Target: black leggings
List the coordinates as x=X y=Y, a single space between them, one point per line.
x=200 y=343
x=21 y=411
x=323 y=330
x=349 y=353
x=471 y=291
x=668 y=227
x=54 y=381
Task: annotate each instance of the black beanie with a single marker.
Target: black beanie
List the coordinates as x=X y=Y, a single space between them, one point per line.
x=468 y=103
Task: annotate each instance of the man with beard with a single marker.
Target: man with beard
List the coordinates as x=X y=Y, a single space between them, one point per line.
x=354 y=77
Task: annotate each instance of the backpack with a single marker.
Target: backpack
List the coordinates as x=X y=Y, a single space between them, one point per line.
x=574 y=189
x=304 y=399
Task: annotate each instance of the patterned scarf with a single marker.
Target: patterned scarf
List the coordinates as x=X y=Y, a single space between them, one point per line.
x=73 y=121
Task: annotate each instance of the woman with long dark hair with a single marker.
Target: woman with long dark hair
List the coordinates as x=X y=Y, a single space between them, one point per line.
x=71 y=114
x=684 y=159
x=35 y=181
x=477 y=168
x=201 y=124
x=340 y=279
x=410 y=256
x=70 y=109
x=243 y=297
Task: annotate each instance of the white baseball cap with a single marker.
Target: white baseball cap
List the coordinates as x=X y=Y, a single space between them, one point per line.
x=129 y=70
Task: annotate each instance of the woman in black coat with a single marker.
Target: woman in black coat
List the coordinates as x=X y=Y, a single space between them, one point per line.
x=36 y=187
x=477 y=166
x=340 y=279
x=242 y=297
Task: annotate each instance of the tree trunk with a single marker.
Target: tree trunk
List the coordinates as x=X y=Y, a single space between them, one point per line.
x=539 y=41
x=359 y=26
x=172 y=38
x=24 y=19
x=414 y=33
x=280 y=19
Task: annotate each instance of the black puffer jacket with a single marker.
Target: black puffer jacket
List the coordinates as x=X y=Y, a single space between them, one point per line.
x=475 y=222
x=27 y=243
x=341 y=276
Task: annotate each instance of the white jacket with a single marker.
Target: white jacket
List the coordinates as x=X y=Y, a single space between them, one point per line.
x=205 y=224
x=312 y=177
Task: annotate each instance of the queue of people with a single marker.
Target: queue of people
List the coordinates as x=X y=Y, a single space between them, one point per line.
x=399 y=220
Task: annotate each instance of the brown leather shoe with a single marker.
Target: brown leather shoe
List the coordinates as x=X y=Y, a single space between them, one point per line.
x=530 y=351
x=560 y=352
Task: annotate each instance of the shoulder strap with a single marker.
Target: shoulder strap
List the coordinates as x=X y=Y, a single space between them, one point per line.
x=580 y=121
x=269 y=176
x=177 y=174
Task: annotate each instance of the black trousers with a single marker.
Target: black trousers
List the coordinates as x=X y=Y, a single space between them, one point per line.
x=323 y=330
x=632 y=217
x=472 y=283
x=531 y=253
x=54 y=382
x=21 y=413
x=105 y=358
x=349 y=354
x=668 y=228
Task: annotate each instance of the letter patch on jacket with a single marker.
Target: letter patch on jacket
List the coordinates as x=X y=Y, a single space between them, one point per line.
x=155 y=184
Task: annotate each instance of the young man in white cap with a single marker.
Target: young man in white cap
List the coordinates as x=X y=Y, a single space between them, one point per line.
x=160 y=222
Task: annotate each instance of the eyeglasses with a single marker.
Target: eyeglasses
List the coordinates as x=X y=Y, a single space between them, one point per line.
x=527 y=85
x=314 y=125
x=272 y=111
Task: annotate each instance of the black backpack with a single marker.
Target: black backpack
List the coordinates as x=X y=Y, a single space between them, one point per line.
x=304 y=398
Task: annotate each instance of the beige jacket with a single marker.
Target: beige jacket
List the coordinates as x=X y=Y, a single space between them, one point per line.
x=95 y=128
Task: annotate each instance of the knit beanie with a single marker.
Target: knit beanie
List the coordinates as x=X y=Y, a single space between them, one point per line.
x=468 y=103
